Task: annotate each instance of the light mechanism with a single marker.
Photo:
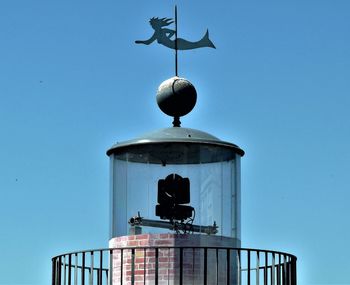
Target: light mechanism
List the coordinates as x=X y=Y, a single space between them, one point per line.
x=173 y=195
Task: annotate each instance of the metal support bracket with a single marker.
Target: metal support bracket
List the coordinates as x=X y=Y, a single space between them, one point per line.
x=173 y=225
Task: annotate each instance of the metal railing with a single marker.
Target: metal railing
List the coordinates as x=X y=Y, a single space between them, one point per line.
x=174 y=265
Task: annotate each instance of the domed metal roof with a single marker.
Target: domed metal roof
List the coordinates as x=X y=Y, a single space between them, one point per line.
x=176 y=146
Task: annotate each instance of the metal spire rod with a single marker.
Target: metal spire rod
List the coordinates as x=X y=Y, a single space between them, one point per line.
x=176 y=73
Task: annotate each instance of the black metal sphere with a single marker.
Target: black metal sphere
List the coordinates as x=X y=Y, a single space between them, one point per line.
x=176 y=97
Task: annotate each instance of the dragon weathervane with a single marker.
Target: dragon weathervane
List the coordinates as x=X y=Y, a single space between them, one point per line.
x=164 y=36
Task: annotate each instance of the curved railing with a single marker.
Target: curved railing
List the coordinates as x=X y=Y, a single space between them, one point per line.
x=174 y=265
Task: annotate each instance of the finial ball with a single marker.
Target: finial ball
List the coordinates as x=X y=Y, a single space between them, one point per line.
x=176 y=97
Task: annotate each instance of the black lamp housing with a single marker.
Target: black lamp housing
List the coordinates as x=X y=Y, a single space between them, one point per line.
x=173 y=192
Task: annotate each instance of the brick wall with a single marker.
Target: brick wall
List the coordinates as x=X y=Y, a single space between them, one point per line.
x=147 y=261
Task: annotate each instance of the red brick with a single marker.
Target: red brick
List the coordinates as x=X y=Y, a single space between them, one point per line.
x=141 y=237
x=150 y=253
x=164 y=242
x=163 y=259
x=144 y=242
x=133 y=243
x=165 y=236
x=127 y=267
x=150 y=272
x=151 y=260
x=139 y=260
x=138 y=272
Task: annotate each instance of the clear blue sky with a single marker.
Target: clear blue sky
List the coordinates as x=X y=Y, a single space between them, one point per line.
x=72 y=83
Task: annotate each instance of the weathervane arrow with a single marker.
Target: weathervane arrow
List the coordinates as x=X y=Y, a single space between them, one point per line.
x=164 y=37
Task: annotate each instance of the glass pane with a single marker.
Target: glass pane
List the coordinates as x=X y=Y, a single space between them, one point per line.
x=214 y=194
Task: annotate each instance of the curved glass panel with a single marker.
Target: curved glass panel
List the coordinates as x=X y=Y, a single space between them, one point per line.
x=214 y=194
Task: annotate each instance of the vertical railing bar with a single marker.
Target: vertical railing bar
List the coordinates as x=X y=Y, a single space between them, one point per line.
x=69 y=269
x=83 y=268
x=101 y=267
x=294 y=274
x=64 y=270
x=248 y=266
x=59 y=269
x=239 y=265
x=91 y=272
x=144 y=266
x=257 y=267
x=273 y=275
x=54 y=266
x=270 y=269
x=228 y=266
x=56 y=270
x=156 y=269
x=193 y=264
x=59 y=264
x=121 y=265
x=289 y=271
x=132 y=266
x=205 y=265
x=168 y=266
x=217 y=266
x=266 y=268
x=285 y=281
x=110 y=273
x=76 y=269
x=181 y=264
x=278 y=269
